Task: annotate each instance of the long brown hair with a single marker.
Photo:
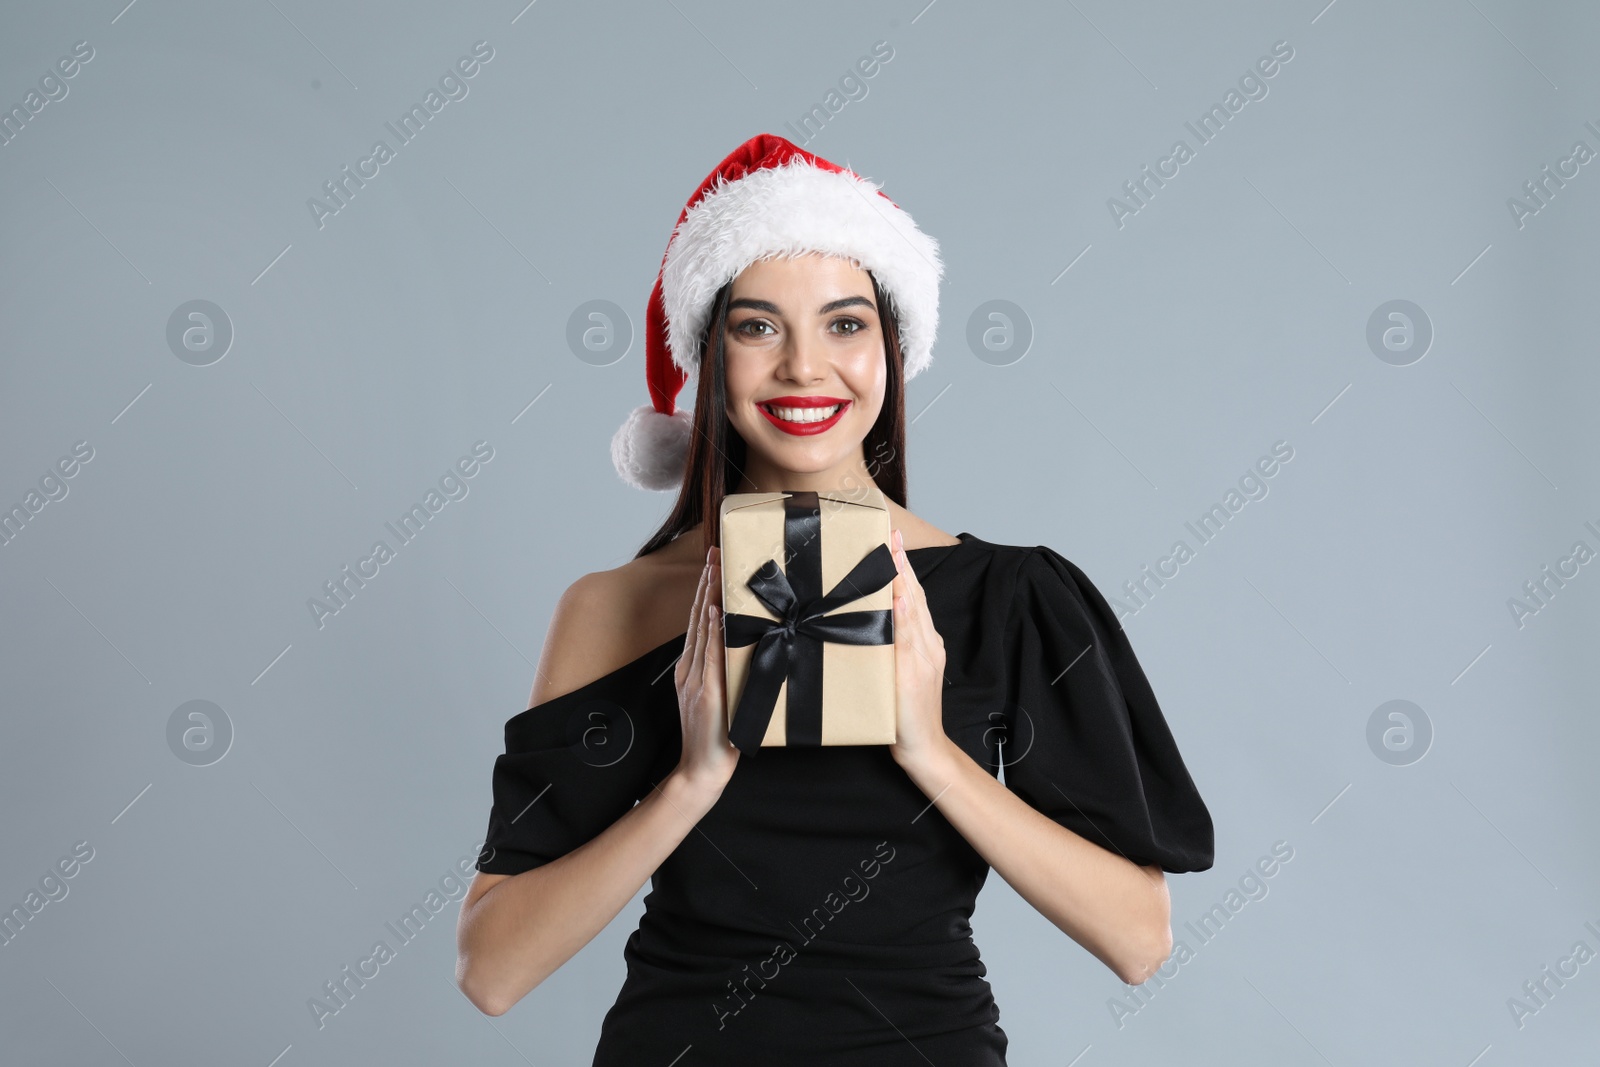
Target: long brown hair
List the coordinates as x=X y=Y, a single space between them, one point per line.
x=717 y=453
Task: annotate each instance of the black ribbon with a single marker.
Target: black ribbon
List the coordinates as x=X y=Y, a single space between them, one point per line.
x=790 y=648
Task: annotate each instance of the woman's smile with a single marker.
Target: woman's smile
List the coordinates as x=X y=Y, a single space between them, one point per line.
x=803 y=415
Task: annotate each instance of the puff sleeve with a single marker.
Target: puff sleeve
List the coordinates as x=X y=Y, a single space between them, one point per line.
x=572 y=766
x=1093 y=750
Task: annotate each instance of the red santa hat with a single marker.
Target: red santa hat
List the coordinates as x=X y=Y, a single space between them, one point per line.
x=769 y=198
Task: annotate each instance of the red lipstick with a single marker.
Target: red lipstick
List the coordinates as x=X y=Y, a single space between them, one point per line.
x=803 y=429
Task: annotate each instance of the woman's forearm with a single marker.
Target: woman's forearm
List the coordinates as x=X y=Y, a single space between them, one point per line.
x=1118 y=910
x=524 y=927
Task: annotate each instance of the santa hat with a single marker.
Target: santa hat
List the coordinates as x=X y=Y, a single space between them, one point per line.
x=768 y=198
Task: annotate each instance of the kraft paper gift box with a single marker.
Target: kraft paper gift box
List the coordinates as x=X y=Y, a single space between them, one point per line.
x=808 y=615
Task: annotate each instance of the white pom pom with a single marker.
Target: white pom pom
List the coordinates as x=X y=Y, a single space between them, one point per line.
x=650 y=449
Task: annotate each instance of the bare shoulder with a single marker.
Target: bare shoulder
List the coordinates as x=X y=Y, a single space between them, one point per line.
x=578 y=643
x=607 y=619
x=917 y=532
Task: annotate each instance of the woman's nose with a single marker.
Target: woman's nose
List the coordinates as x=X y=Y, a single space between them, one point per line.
x=802 y=359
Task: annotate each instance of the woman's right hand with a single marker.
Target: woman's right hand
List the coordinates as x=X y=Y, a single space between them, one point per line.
x=708 y=756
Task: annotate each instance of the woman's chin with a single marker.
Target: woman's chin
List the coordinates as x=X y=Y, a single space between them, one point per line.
x=803 y=454
x=801 y=460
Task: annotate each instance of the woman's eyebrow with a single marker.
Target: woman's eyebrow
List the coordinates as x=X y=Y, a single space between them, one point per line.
x=754 y=305
x=772 y=309
x=849 y=301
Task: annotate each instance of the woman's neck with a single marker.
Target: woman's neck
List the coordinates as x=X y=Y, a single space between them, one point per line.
x=845 y=478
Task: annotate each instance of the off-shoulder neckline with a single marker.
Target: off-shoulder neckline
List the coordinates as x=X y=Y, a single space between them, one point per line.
x=671 y=642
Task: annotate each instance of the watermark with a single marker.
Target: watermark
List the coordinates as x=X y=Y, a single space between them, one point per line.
x=52 y=889
x=1538 y=990
x=1538 y=592
x=852 y=494
x=1543 y=189
x=452 y=87
x=852 y=889
x=199 y=333
x=852 y=84
x=342 y=590
x=52 y=488
x=53 y=88
x=199 y=733
x=1251 y=886
x=599 y=732
x=1399 y=732
x=854 y=491
x=338 y=992
x=999 y=332
x=1399 y=333
x=599 y=332
x=1140 y=191
x=1010 y=729
x=1205 y=529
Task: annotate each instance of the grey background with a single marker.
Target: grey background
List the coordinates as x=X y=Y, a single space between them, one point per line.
x=368 y=355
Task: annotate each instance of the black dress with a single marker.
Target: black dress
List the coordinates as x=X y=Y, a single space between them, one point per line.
x=818 y=913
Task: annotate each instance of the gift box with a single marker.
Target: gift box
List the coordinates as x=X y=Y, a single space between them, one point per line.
x=808 y=615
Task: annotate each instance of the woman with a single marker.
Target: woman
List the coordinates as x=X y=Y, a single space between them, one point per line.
x=811 y=905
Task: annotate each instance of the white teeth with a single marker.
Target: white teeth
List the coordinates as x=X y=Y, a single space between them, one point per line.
x=803 y=414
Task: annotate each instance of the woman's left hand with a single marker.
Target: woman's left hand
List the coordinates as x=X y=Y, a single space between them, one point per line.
x=919 y=667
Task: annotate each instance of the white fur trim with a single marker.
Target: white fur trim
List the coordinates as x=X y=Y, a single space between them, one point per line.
x=789 y=210
x=649 y=449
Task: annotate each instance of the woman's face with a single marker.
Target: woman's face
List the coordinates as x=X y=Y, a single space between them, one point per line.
x=802 y=332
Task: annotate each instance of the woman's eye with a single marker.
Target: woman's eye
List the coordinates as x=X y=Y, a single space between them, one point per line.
x=856 y=325
x=744 y=327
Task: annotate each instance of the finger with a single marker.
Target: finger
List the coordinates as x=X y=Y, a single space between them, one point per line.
x=921 y=617
x=909 y=586
x=700 y=593
x=703 y=627
x=715 y=667
x=911 y=616
x=691 y=636
x=687 y=655
x=915 y=596
x=904 y=629
x=715 y=577
x=716 y=635
x=902 y=563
